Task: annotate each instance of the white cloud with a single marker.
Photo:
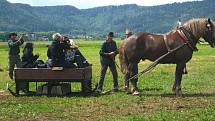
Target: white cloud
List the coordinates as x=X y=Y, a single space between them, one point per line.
x=95 y=3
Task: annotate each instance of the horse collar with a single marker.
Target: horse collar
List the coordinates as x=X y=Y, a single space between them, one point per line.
x=166 y=44
x=185 y=39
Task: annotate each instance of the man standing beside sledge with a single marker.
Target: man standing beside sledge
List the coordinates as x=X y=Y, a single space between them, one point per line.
x=107 y=58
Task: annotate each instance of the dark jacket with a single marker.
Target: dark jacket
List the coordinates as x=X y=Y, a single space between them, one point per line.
x=49 y=51
x=57 y=52
x=28 y=59
x=106 y=48
x=14 y=46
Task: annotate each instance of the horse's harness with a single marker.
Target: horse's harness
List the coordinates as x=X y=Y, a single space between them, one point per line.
x=209 y=31
x=186 y=36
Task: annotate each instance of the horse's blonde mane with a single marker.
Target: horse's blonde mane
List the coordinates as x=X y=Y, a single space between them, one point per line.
x=197 y=26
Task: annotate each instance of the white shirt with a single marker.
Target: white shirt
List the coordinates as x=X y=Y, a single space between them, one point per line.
x=71 y=42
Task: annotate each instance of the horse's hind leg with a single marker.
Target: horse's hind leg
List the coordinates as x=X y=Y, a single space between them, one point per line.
x=134 y=71
x=178 y=77
x=126 y=82
x=185 y=69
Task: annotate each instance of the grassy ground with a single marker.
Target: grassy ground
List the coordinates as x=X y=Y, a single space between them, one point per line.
x=156 y=101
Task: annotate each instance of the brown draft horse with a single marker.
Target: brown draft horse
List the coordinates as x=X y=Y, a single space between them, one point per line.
x=141 y=46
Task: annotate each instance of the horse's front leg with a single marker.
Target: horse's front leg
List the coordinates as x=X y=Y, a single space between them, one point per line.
x=178 y=77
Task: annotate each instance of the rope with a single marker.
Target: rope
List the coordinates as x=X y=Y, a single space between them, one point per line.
x=155 y=63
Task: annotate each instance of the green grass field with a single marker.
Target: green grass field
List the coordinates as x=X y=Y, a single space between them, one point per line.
x=156 y=101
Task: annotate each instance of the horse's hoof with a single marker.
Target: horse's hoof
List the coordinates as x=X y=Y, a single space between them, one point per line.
x=173 y=89
x=136 y=93
x=126 y=88
x=178 y=93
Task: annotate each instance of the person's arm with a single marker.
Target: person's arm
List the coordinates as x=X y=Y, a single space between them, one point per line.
x=65 y=44
x=16 y=43
x=114 y=52
x=49 y=52
x=102 y=51
x=35 y=57
x=74 y=46
x=116 y=49
x=22 y=39
x=26 y=57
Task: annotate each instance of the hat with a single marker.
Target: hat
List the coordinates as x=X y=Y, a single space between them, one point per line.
x=12 y=34
x=110 y=34
x=56 y=35
x=128 y=32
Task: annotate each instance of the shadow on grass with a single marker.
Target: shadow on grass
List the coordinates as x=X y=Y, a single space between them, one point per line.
x=152 y=89
x=109 y=92
x=171 y=95
x=190 y=95
x=73 y=94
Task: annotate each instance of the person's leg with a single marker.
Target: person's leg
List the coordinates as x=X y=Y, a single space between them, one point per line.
x=115 y=75
x=18 y=61
x=49 y=63
x=77 y=52
x=81 y=59
x=102 y=77
x=25 y=85
x=11 y=65
x=1 y=69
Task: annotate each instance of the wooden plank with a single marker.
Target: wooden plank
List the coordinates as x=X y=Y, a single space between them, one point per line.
x=88 y=73
x=47 y=73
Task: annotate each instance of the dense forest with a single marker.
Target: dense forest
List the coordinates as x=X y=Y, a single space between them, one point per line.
x=100 y=20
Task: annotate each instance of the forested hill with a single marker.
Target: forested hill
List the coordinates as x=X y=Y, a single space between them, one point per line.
x=100 y=20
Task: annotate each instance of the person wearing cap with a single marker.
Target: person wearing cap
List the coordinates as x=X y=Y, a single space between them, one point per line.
x=179 y=24
x=128 y=33
x=107 y=59
x=14 y=50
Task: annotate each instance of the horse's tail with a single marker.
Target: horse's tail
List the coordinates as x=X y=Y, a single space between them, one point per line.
x=123 y=59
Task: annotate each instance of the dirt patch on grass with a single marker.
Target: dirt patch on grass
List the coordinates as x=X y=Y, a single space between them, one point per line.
x=97 y=110
x=119 y=106
x=4 y=95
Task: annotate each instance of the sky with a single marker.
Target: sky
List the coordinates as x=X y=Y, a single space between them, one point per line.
x=83 y=4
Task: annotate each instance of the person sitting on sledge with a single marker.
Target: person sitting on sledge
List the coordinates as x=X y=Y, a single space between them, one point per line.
x=57 y=53
x=73 y=55
x=29 y=60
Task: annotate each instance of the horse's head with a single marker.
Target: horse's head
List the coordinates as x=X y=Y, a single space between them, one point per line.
x=209 y=35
